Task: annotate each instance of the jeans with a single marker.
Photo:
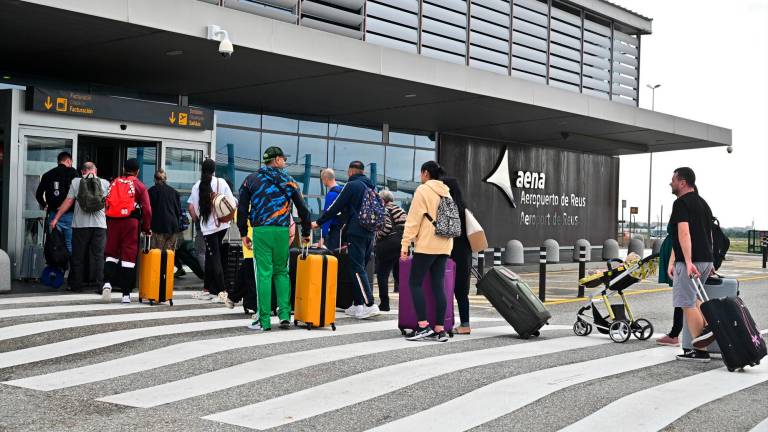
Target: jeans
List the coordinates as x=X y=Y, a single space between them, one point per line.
x=214 y=273
x=462 y=255
x=87 y=253
x=65 y=225
x=360 y=248
x=435 y=264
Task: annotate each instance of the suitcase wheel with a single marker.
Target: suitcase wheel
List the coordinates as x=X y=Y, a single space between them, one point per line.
x=402 y=332
x=536 y=333
x=141 y=300
x=450 y=333
x=170 y=302
x=525 y=336
x=333 y=326
x=309 y=326
x=151 y=302
x=730 y=369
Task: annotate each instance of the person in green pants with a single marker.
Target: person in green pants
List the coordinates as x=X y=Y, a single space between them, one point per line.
x=267 y=197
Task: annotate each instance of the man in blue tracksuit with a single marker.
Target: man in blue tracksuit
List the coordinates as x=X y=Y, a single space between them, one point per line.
x=345 y=208
x=332 y=228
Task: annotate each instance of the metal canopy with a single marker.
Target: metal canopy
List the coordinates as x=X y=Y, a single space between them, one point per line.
x=41 y=44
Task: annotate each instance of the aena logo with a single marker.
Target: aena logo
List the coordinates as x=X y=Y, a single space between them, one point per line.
x=524 y=179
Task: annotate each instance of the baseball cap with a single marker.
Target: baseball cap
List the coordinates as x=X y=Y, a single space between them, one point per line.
x=271 y=153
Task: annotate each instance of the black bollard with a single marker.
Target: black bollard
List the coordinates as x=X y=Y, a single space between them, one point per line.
x=543 y=273
x=481 y=262
x=582 y=268
x=497 y=256
x=765 y=251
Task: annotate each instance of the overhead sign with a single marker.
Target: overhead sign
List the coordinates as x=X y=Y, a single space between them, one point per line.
x=82 y=104
x=633 y=210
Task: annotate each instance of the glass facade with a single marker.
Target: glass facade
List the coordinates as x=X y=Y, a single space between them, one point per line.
x=393 y=157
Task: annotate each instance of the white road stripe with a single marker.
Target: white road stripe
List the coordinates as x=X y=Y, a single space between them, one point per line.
x=101 y=340
x=654 y=408
x=94 y=307
x=368 y=385
x=761 y=427
x=47 y=298
x=21 y=330
x=270 y=366
x=186 y=351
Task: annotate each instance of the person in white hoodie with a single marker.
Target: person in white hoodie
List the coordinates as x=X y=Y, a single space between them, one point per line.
x=430 y=250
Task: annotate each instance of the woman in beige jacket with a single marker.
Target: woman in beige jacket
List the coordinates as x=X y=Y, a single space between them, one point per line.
x=430 y=250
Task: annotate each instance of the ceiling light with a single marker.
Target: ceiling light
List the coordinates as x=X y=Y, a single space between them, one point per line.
x=6 y=77
x=410 y=95
x=173 y=53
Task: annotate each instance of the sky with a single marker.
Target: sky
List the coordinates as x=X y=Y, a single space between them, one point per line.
x=711 y=59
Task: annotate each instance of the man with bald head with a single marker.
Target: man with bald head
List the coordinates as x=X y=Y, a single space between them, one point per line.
x=89 y=227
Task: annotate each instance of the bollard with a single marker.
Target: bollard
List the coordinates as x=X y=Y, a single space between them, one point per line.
x=582 y=268
x=481 y=262
x=497 y=256
x=765 y=251
x=514 y=253
x=542 y=273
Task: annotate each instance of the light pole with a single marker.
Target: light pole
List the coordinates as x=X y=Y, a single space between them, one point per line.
x=650 y=160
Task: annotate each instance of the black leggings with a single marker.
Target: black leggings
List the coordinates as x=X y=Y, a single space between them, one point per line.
x=435 y=264
x=214 y=273
x=462 y=255
x=677 y=324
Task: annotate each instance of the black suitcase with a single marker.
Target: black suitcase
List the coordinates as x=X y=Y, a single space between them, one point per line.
x=187 y=255
x=231 y=257
x=343 y=282
x=736 y=333
x=514 y=300
x=245 y=286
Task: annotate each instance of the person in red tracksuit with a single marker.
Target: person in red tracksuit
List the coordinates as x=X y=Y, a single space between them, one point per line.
x=127 y=206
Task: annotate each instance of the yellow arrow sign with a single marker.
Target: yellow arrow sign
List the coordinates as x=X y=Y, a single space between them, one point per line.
x=48 y=104
x=172 y=118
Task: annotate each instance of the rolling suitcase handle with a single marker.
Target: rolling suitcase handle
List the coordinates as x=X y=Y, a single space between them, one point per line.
x=700 y=289
x=146 y=243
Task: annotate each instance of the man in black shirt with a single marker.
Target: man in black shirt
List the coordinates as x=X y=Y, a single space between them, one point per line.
x=691 y=233
x=53 y=189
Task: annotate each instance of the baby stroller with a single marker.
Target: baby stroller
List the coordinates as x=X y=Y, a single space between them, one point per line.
x=620 y=323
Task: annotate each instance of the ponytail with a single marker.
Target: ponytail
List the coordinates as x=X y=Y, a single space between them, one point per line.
x=209 y=168
x=436 y=172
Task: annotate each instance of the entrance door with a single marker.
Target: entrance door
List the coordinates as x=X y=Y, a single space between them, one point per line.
x=109 y=154
x=37 y=154
x=183 y=166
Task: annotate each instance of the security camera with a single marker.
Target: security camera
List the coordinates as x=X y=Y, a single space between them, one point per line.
x=216 y=33
x=729 y=149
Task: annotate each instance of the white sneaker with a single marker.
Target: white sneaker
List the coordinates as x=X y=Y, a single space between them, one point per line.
x=224 y=297
x=106 y=293
x=368 y=312
x=217 y=299
x=126 y=299
x=353 y=310
x=202 y=295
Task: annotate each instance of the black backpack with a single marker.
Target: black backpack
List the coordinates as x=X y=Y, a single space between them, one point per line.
x=720 y=244
x=90 y=195
x=56 y=253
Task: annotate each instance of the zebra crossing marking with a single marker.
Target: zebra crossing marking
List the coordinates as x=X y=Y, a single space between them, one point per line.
x=101 y=340
x=19 y=312
x=185 y=351
x=44 y=298
x=270 y=366
x=377 y=382
x=760 y=427
x=21 y=330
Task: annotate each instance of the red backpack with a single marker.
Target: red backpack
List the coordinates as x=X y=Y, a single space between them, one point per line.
x=121 y=198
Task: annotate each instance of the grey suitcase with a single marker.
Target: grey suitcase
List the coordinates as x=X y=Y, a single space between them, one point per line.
x=715 y=288
x=514 y=300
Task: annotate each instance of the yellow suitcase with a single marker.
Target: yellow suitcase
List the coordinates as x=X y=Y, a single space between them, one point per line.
x=316 y=290
x=156 y=276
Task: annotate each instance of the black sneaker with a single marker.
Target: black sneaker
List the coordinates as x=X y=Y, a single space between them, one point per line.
x=442 y=336
x=285 y=324
x=694 y=356
x=704 y=340
x=421 y=334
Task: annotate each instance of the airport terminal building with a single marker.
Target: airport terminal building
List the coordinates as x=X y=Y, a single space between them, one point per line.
x=527 y=102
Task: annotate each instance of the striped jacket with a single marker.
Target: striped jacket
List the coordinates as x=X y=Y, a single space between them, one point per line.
x=267 y=205
x=393 y=223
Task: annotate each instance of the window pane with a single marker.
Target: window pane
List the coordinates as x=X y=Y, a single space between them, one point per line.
x=421 y=157
x=286 y=142
x=346 y=152
x=238 y=119
x=147 y=157
x=183 y=167
x=317 y=147
x=424 y=141
x=353 y=132
x=313 y=128
x=41 y=157
x=401 y=138
x=243 y=147
x=399 y=163
x=280 y=124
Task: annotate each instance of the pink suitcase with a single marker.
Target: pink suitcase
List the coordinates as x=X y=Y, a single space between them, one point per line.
x=406 y=318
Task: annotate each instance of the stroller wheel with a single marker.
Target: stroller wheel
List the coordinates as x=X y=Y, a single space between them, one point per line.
x=642 y=329
x=619 y=331
x=582 y=328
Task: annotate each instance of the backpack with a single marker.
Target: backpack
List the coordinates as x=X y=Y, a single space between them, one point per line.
x=372 y=211
x=447 y=224
x=90 y=195
x=121 y=198
x=720 y=244
x=55 y=249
